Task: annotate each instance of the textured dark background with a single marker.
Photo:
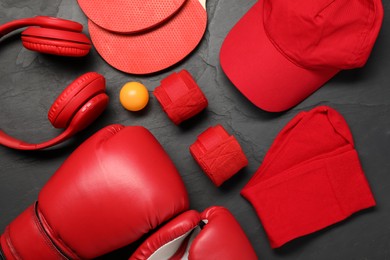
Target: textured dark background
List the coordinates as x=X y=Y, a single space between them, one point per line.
x=30 y=82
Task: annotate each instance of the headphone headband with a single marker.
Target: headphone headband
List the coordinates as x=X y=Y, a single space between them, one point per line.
x=42 y=21
x=86 y=115
x=14 y=143
x=83 y=100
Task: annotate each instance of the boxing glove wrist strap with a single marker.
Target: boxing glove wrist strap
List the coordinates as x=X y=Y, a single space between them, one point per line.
x=25 y=236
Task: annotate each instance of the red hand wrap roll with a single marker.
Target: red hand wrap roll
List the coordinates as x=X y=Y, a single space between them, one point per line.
x=219 y=155
x=180 y=96
x=310 y=178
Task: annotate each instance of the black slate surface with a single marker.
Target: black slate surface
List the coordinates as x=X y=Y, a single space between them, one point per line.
x=30 y=82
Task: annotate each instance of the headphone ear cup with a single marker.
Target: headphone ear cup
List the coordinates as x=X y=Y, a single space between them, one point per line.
x=74 y=97
x=56 y=42
x=88 y=113
x=55 y=47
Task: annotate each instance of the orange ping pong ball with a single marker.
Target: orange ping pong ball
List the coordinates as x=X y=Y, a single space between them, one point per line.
x=134 y=96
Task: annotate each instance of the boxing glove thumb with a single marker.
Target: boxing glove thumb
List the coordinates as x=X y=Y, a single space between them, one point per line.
x=213 y=234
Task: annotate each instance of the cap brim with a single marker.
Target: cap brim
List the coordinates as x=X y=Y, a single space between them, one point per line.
x=263 y=74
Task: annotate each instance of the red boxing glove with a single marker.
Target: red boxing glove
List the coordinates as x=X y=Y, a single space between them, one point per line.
x=310 y=178
x=180 y=97
x=106 y=195
x=219 y=155
x=214 y=234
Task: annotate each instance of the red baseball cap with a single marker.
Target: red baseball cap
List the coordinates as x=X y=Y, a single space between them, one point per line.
x=282 y=51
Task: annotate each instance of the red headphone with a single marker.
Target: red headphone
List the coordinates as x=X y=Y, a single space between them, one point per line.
x=84 y=99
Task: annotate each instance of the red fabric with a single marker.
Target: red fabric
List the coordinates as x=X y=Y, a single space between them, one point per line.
x=219 y=155
x=310 y=178
x=282 y=51
x=332 y=34
x=180 y=97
